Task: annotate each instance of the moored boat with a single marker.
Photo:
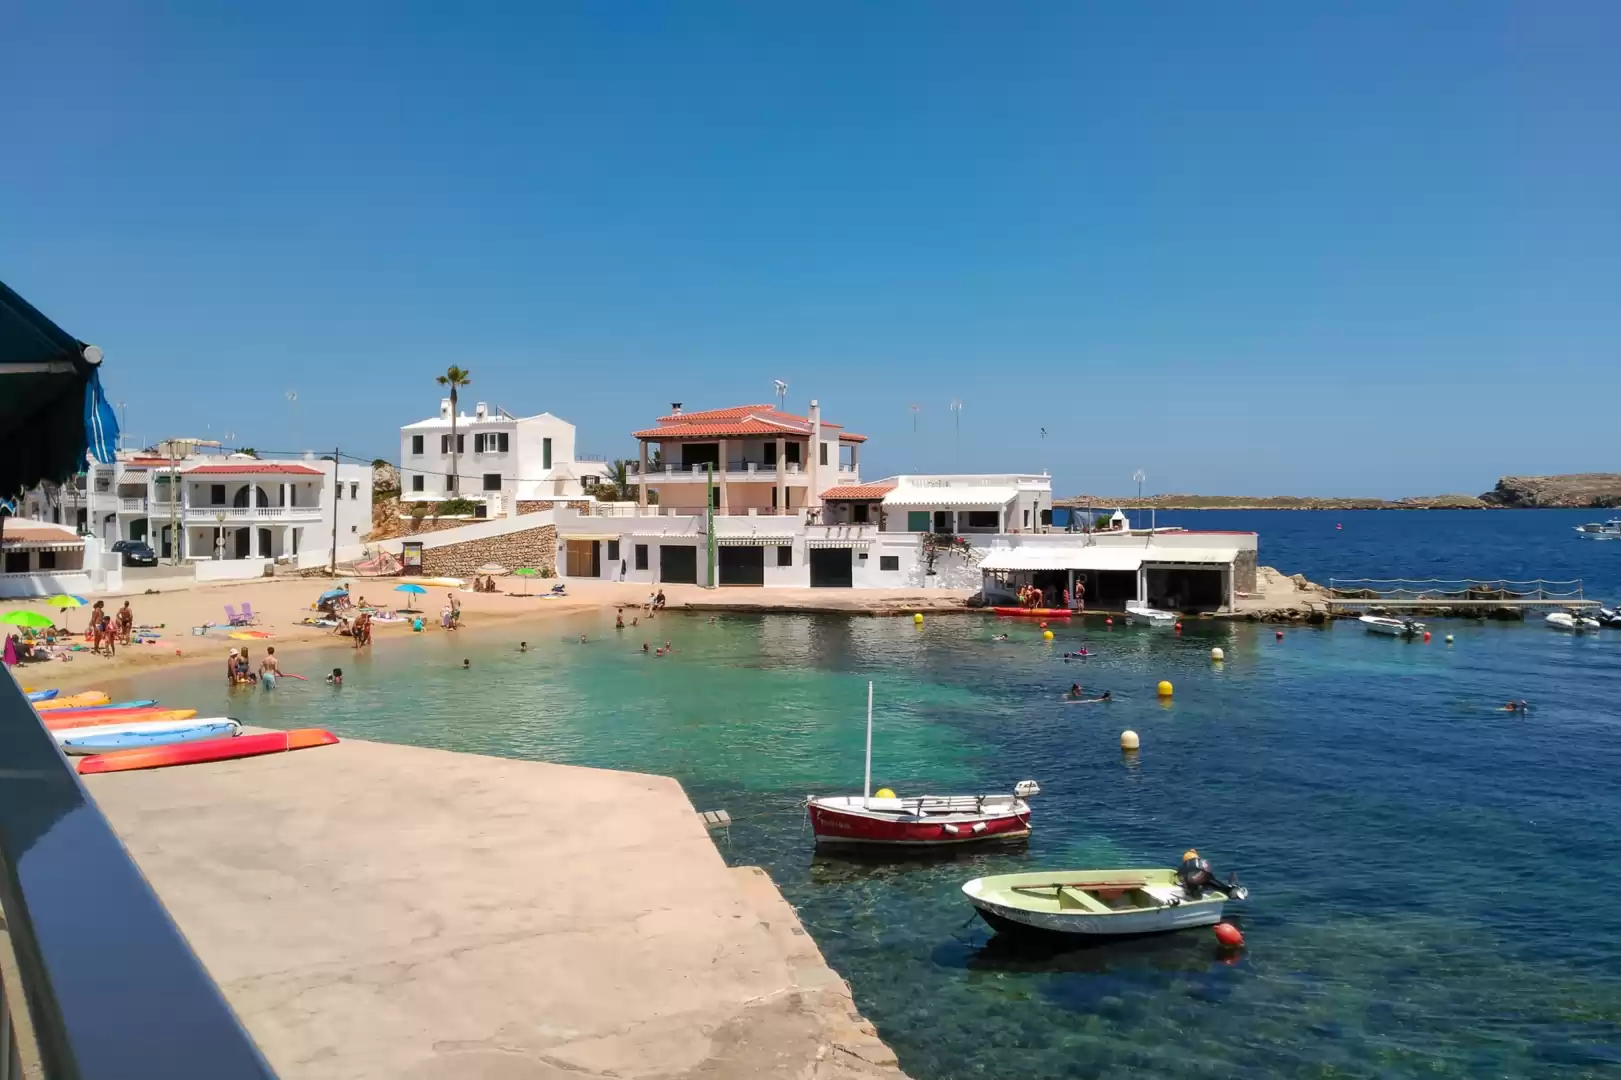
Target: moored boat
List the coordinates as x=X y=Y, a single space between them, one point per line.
x=41 y=695
x=88 y=697
x=1097 y=903
x=129 y=716
x=1384 y=624
x=1141 y=614
x=1593 y=530
x=919 y=821
x=109 y=706
x=1564 y=620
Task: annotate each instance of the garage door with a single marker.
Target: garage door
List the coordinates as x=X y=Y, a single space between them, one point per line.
x=742 y=565
x=678 y=564
x=831 y=568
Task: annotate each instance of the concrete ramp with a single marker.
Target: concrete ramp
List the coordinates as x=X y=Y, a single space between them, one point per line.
x=393 y=912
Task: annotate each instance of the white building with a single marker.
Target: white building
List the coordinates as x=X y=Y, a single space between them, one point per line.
x=500 y=459
x=40 y=558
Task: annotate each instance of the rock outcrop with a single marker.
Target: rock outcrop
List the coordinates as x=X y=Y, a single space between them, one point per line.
x=1570 y=490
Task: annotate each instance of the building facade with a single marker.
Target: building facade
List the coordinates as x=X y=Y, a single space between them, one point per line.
x=498 y=459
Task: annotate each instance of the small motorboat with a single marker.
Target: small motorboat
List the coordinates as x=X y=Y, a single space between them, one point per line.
x=1097 y=903
x=918 y=821
x=1141 y=614
x=1593 y=530
x=1384 y=624
x=1564 y=620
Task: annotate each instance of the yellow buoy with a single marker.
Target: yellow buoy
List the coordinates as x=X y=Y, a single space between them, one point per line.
x=1164 y=688
x=917 y=617
x=1217 y=655
x=1128 y=740
x=883 y=793
x=1046 y=635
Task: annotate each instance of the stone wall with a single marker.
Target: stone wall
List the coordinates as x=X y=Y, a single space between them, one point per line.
x=535 y=548
x=535 y=506
x=388 y=524
x=1244 y=572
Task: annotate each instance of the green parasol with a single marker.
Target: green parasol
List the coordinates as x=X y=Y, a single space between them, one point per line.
x=526 y=572
x=32 y=619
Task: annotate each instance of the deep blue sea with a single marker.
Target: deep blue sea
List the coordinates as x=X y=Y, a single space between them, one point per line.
x=1434 y=882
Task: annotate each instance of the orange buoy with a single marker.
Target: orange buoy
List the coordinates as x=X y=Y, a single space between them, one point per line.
x=1109 y=621
x=1229 y=935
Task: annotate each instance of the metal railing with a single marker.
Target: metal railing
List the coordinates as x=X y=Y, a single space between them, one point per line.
x=1458 y=589
x=98 y=983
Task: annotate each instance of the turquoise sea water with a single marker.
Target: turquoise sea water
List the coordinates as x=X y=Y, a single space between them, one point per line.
x=1433 y=881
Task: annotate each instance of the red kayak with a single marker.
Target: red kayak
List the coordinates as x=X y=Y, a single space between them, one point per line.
x=1035 y=612
x=191 y=753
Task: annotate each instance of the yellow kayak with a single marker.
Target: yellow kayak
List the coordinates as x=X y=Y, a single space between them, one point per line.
x=73 y=701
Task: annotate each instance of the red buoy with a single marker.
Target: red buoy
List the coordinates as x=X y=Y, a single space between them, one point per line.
x=1426 y=635
x=1179 y=628
x=1280 y=635
x=1109 y=621
x=1229 y=935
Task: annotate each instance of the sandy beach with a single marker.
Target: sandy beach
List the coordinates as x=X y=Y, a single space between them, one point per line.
x=281 y=604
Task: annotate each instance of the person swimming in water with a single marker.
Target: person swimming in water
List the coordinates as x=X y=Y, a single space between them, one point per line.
x=336 y=678
x=644 y=647
x=1517 y=706
x=1075 y=691
x=1003 y=637
x=466 y=664
x=619 y=621
x=523 y=646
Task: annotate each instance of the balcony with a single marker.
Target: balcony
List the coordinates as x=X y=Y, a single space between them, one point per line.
x=736 y=472
x=209 y=515
x=131 y=506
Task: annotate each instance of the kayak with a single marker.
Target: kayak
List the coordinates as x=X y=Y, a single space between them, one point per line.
x=158 y=757
x=89 y=697
x=42 y=695
x=85 y=720
x=99 y=740
x=1035 y=612
x=111 y=706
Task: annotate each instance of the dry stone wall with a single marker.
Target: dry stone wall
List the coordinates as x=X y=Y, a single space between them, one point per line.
x=535 y=548
x=535 y=506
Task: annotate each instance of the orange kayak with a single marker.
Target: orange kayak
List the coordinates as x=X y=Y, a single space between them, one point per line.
x=191 y=753
x=72 y=701
x=94 y=719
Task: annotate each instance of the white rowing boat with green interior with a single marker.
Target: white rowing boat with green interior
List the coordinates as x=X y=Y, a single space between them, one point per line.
x=1096 y=902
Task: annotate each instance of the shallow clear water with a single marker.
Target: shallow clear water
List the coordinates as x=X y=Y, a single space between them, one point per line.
x=1432 y=880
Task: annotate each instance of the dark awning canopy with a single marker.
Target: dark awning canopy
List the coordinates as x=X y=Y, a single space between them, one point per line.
x=52 y=410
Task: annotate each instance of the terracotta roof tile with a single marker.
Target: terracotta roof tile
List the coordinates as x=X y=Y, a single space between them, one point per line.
x=858 y=491
x=27 y=531
x=736 y=420
x=254 y=468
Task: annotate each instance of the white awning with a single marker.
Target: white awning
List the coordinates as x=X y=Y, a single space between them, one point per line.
x=1223 y=556
x=1066 y=557
x=753 y=541
x=854 y=545
x=590 y=536
x=948 y=497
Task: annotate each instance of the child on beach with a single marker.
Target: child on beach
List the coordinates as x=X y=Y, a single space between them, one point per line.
x=336 y=678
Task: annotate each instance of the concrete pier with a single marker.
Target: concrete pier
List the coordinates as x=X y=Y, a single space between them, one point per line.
x=378 y=911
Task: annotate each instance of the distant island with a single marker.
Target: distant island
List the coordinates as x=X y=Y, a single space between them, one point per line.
x=1572 y=491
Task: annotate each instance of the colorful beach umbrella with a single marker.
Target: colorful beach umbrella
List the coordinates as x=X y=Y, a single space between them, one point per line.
x=67 y=600
x=31 y=619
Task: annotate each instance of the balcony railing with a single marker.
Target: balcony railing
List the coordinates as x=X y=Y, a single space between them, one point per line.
x=252 y=513
x=134 y=505
x=96 y=976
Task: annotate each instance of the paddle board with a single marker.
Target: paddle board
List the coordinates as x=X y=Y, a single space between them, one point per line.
x=138 y=703
x=84 y=720
x=158 y=757
x=163 y=733
x=41 y=695
x=89 y=697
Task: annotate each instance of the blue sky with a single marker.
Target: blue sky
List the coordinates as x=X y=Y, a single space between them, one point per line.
x=1368 y=248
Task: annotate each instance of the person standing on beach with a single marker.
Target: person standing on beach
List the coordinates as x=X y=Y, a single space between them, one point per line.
x=455 y=610
x=108 y=633
x=269 y=668
x=126 y=622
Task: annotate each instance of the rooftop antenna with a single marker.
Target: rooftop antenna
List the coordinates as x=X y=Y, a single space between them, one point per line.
x=782 y=392
x=956 y=412
x=915 y=410
x=292 y=411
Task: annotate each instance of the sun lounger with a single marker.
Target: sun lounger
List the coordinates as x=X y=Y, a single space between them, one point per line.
x=248 y=617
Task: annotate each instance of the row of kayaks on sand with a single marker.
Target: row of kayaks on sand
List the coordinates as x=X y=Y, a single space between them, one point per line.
x=115 y=736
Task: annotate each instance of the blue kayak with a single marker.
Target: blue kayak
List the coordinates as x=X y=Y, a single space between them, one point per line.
x=41 y=695
x=144 y=703
x=129 y=740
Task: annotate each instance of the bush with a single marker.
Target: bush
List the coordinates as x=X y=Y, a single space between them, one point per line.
x=456 y=508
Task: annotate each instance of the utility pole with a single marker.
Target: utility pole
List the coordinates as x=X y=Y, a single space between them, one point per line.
x=336 y=491
x=174 y=507
x=709 y=519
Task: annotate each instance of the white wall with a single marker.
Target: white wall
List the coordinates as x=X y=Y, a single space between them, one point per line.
x=45 y=583
x=231 y=569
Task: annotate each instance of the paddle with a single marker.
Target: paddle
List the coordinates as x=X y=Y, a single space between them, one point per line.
x=290 y=675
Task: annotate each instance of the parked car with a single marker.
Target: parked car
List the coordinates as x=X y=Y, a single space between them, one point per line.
x=136 y=553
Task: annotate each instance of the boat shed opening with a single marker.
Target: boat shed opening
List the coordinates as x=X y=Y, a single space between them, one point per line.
x=1161 y=570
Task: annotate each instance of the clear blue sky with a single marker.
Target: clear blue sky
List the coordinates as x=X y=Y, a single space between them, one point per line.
x=1354 y=248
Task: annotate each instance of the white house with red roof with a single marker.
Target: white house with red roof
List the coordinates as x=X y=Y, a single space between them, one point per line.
x=40 y=558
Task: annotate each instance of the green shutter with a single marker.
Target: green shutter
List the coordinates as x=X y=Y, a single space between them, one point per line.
x=545 y=453
x=917 y=521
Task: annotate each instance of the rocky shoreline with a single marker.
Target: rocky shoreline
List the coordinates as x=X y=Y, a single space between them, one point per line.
x=1571 y=491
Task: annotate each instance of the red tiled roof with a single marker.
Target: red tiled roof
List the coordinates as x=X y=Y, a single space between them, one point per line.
x=255 y=468
x=736 y=420
x=858 y=491
x=25 y=531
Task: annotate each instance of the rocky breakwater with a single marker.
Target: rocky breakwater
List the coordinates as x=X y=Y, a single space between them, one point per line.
x=1280 y=598
x=1573 y=490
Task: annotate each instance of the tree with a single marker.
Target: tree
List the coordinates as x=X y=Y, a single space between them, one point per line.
x=455 y=378
x=935 y=545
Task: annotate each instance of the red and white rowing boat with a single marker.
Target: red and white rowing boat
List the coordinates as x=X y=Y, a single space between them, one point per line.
x=919 y=820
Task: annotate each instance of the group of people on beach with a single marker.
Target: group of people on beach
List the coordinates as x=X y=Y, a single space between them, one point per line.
x=486 y=585
x=109 y=630
x=239 y=670
x=1030 y=596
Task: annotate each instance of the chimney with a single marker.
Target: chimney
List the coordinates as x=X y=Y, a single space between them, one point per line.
x=481 y=411
x=814 y=465
x=444 y=408
x=675 y=408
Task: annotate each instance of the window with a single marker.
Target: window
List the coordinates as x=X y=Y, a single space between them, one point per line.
x=216 y=494
x=338 y=490
x=1027 y=519
x=500 y=438
x=1046 y=517
x=858 y=513
x=444 y=444
x=416 y=444
x=354 y=489
x=889 y=562
x=545 y=453
x=984 y=519
x=16 y=562
x=461 y=444
x=613 y=551
x=416 y=482
x=478 y=443
x=641 y=556
x=714 y=498
x=824 y=452
x=917 y=521
x=785 y=555
x=47 y=560
x=792 y=452
x=942 y=521
x=450 y=483
x=492 y=481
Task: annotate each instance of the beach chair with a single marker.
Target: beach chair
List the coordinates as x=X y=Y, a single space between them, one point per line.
x=231 y=617
x=248 y=617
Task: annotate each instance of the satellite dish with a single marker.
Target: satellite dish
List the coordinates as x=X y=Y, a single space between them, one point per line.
x=92 y=354
x=782 y=392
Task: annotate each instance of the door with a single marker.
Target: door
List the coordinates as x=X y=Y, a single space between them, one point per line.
x=244 y=543
x=741 y=565
x=264 y=544
x=678 y=564
x=832 y=568
x=165 y=537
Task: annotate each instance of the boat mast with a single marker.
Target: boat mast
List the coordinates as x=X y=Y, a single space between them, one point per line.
x=866 y=782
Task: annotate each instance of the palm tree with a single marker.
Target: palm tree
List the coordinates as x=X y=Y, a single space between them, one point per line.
x=455 y=378
x=619 y=477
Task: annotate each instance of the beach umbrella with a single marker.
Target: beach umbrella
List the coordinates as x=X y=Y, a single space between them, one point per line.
x=31 y=619
x=67 y=600
x=414 y=590
x=526 y=572
x=329 y=594
x=491 y=568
